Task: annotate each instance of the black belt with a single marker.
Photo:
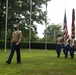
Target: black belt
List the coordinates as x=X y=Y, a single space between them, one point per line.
x=15 y=41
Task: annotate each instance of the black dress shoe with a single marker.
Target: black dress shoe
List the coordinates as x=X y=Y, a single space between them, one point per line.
x=7 y=62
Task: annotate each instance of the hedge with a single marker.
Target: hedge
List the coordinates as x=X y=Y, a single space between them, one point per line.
x=33 y=45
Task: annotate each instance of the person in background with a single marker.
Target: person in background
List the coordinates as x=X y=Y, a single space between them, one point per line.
x=66 y=47
x=69 y=47
x=58 y=45
x=15 y=44
x=72 y=46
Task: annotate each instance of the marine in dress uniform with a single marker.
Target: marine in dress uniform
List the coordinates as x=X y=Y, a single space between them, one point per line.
x=15 y=44
x=58 y=45
x=69 y=47
x=66 y=46
x=72 y=47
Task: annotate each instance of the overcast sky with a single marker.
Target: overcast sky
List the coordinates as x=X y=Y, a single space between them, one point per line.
x=55 y=13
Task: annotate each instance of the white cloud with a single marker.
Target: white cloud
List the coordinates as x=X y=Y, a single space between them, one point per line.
x=40 y=29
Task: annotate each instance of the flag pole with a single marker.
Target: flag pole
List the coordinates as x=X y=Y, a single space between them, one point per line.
x=46 y=28
x=30 y=25
x=6 y=25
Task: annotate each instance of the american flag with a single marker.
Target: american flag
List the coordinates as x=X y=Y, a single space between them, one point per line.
x=73 y=24
x=65 y=26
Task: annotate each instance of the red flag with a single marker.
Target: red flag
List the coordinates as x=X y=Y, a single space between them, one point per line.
x=73 y=24
x=65 y=26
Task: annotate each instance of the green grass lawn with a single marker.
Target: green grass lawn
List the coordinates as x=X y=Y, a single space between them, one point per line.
x=37 y=62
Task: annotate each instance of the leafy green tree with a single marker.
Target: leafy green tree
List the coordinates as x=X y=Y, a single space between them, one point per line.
x=19 y=12
x=2 y=17
x=52 y=31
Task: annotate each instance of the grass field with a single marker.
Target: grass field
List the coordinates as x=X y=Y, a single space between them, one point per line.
x=37 y=62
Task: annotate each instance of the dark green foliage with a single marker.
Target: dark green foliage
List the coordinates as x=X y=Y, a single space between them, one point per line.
x=52 y=32
x=19 y=12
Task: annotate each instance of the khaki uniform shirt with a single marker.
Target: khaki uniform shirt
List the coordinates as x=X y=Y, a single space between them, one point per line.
x=59 y=40
x=71 y=42
x=66 y=41
x=16 y=35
